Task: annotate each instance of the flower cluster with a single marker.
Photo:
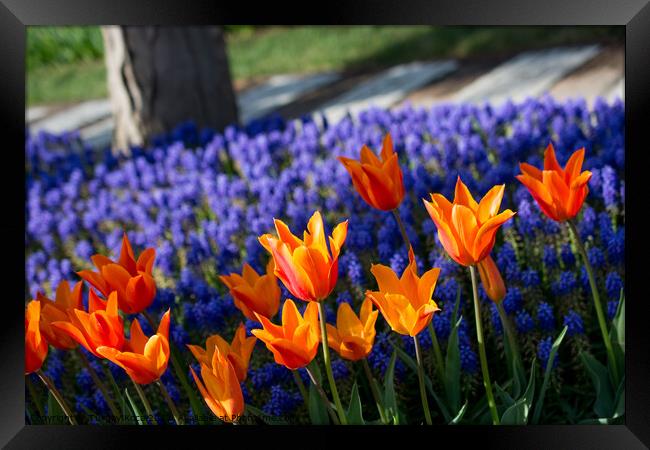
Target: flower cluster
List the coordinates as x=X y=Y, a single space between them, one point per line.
x=206 y=203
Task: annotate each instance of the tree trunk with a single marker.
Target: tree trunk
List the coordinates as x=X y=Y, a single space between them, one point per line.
x=159 y=77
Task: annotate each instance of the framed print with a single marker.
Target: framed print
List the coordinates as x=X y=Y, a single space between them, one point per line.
x=396 y=217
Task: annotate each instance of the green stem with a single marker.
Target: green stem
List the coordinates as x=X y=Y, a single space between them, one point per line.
x=330 y=406
x=170 y=403
x=402 y=230
x=597 y=304
x=35 y=397
x=423 y=389
x=375 y=391
x=328 y=365
x=100 y=385
x=301 y=387
x=145 y=402
x=111 y=378
x=57 y=396
x=437 y=353
x=510 y=335
x=481 y=349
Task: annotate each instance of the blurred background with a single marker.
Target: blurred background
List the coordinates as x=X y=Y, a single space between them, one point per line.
x=125 y=84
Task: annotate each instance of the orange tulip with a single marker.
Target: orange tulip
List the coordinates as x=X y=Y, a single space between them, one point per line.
x=491 y=279
x=144 y=359
x=239 y=352
x=253 y=293
x=380 y=183
x=221 y=391
x=132 y=279
x=405 y=302
x=295 y=343
x=100 y=326
x=306 y=267
x=35 y=343
x=353 y=336
x=559 y=192
x=56 y=311
x=467 y=229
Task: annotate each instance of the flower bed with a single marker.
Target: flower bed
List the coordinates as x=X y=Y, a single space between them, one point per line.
x=202 y=199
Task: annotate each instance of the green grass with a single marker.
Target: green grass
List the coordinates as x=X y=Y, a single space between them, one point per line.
x=66 y=83
x=65 y=64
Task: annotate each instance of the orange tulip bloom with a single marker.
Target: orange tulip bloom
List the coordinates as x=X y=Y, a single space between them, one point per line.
x=221 y=391
x=35 y=343
x=131 y=279
x=100 y=326
x=353 y=336
x=239 y=352
x=295 y=343
x=56 y=311
x=405 y=302
x=380 y=183
x=253 y=293
x=559 y=192
x=306 y=267
x=144 y=359
x=491 y=279
x=467 y=229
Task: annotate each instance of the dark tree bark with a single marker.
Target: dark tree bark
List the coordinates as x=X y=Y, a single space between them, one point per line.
x=161 y=76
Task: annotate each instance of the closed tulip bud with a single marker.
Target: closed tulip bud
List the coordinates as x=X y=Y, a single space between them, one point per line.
x=238 y=352
x=57 y=311
x=253 y=293
x=379 y=182
x=405 y=302
x=467 y=229
x=220 y=387
x=491 y=279
x=100 y=326
x=306 y=267
x=35 y=343
x=144 y=359
x=353 y=336
x=132 y=280
x=294 y=343
x=559 y=192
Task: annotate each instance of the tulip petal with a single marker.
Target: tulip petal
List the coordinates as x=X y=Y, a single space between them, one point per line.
x=490 y=203
x=550 y=161
x=462 y=196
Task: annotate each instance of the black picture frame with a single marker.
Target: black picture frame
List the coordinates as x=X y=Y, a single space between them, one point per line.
x=15 y=15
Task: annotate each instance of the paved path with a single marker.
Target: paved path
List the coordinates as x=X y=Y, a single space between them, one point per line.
x=585 y=71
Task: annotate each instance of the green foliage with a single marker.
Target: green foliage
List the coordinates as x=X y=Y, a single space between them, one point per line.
x=547 y=374
x=134 y=408
x=62 y=45
x=517 y=414
x=354 y=412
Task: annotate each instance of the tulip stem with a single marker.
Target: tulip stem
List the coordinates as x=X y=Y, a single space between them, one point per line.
x=597 y=304
x=301 y=387
x=145 y=402
x=35 y=397
x=328 y=365
x=57 y=396
x=170 y=403
x=510 y=334
x=375 y=390
x=100 y=385
x=423 y=390
x=402 y=229
x=440 y=365
x=481 y=349
x=330 y=406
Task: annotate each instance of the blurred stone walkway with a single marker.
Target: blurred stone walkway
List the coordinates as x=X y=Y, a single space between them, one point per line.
x=564 y=72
